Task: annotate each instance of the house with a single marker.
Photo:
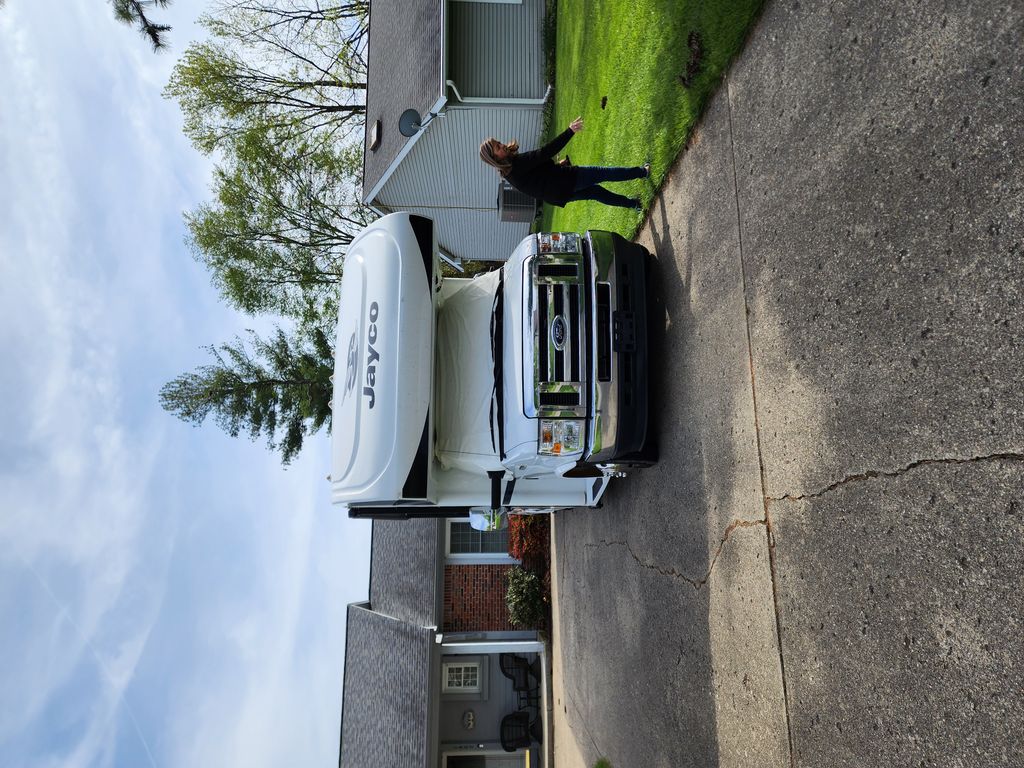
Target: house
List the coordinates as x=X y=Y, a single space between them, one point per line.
x=443 y=75
x=424 y=686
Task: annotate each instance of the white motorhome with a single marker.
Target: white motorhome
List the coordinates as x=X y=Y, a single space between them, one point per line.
x=522 y=389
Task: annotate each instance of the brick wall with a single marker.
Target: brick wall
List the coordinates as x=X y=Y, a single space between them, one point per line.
x=474 y=598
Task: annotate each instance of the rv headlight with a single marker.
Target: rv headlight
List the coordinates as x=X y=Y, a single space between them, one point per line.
x=559 y=436
x=558 y=242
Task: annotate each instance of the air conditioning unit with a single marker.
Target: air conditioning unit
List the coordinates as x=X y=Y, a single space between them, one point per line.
x=513 y=205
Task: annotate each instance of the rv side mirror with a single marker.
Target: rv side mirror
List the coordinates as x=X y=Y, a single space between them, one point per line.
x=487 y=519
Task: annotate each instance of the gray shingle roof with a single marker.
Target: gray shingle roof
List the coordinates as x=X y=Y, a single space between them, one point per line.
x=403 y=71
x=385 y=699
x=404 y=569
x=386 y=710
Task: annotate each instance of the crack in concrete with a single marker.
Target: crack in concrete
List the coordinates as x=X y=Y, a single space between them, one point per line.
x=582 y=723
x=876 y=473
x=669 y=571
x=649 y=566
x=757 y=430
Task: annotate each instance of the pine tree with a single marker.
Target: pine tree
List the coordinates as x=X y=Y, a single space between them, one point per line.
x=280 y=389
x=133 y=13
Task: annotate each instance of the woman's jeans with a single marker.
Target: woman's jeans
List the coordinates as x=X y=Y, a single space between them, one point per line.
x=589 y=178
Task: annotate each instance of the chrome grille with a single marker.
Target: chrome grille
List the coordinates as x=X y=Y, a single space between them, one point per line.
x=555 y=271
x=560 y=343
x=559 y=399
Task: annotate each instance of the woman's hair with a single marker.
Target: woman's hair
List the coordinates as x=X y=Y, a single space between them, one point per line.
x=487 y=154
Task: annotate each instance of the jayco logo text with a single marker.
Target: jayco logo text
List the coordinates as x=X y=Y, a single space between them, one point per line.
x=372 y=355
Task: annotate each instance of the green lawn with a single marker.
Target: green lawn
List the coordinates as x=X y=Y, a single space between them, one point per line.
x=631 y=54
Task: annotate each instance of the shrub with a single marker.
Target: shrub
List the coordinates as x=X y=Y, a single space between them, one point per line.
x=528 y=537
x=525 y=598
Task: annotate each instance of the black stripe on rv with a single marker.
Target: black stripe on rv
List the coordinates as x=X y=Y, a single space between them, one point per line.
x=509 y=488
x=416 y=483
x=423 y=228
x=406 y=513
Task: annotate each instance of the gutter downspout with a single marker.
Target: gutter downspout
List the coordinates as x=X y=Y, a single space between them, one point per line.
x=471 y=100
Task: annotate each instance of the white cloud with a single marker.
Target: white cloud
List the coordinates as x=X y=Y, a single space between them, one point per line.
x=279 y=701
x=75 y=476
x=103 y=502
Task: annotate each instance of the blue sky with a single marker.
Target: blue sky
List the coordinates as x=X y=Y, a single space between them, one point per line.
x=169 y=596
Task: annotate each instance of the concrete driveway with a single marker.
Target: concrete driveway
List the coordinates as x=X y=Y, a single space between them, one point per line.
x=827 y=566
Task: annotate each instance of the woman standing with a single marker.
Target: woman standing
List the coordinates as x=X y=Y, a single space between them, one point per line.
x=536 y=174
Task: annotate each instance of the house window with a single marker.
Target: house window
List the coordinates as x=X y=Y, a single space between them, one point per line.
x=463 y=540
x=465 y=546
x=461 y=677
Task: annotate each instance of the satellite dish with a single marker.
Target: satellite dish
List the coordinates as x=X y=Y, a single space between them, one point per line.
x=409 y=122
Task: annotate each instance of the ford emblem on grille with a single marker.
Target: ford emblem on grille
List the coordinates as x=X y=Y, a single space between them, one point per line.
x=559 y=331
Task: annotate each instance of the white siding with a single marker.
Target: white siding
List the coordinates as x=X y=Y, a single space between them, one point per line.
x=444 y=179
x=497 y=49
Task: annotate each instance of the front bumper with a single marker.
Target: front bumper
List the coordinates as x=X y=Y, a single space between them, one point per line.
x=619 y=346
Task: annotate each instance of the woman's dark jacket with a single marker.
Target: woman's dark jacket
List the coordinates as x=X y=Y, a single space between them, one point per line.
x=537 y=175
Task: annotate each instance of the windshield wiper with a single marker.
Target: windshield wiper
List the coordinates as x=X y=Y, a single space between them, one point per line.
x=497 y=357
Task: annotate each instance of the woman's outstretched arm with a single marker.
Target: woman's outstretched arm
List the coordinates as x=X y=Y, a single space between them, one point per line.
x=528 y=160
